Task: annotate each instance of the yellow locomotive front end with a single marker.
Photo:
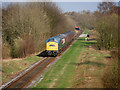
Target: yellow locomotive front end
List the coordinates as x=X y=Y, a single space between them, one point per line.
x=52 y=46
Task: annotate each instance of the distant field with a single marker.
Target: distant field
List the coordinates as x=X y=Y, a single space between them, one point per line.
x=80 y=67
x=86 y=31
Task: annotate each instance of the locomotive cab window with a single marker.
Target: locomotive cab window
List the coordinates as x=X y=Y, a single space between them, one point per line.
x=51 y=40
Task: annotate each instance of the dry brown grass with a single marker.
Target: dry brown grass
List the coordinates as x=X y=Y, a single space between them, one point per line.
x=111 y=75
x=110 y=78
x=96 y=69
x=5 y=51
x=93 y=34
x=89 y=70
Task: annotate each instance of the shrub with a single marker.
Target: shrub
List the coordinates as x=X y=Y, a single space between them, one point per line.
x=107 y=27
x=6 y=51
x=23 y=47
x=111 y=76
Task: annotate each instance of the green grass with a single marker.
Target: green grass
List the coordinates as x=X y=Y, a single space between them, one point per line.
x=62 y=73
x=75 y=66
x=12 y=68
x=86 y=31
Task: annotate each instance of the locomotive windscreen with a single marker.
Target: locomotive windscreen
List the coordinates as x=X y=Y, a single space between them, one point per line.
x=51 y=40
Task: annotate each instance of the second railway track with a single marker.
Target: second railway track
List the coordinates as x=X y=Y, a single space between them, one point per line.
x=31 y=74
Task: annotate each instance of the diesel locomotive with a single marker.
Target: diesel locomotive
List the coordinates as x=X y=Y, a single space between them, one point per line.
x=54 y=45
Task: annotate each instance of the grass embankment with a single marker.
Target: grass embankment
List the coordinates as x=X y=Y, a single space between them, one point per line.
x=79 y=67
x=12 y=68
x=63 y=71
x=86 y=31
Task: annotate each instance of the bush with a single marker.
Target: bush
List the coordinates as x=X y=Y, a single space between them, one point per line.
x=111 y=76
x=23 y=47
x=16 y=49
x=6 y=51
x=114 y=53
x=107 y=28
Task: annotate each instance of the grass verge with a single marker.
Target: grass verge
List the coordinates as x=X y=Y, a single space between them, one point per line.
x=80 y=67
x=66 y=73
x=11 y=68
x=86 y=31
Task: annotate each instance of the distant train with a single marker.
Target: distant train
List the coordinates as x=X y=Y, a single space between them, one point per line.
x=77 y=28
x=54 y=45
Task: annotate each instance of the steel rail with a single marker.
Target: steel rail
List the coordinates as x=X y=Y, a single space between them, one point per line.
x=35 y=71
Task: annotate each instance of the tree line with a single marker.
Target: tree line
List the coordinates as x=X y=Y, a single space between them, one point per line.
x=104 y=21
x=84 y=19
x=107 y=25
x=27 y=26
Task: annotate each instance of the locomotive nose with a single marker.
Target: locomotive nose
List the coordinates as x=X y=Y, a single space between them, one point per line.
x=52 y=46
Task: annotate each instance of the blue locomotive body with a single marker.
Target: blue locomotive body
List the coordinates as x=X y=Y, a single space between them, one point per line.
x=54 y=45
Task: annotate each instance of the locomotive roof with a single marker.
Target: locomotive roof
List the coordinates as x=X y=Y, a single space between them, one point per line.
x=65 y=34
x=69 y=32
x=60 y=36
x=56 y=39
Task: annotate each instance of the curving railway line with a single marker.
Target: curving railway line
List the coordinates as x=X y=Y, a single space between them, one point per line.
x=31 y=74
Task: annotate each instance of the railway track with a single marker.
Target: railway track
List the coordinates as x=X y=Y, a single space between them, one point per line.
x=31 y=74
